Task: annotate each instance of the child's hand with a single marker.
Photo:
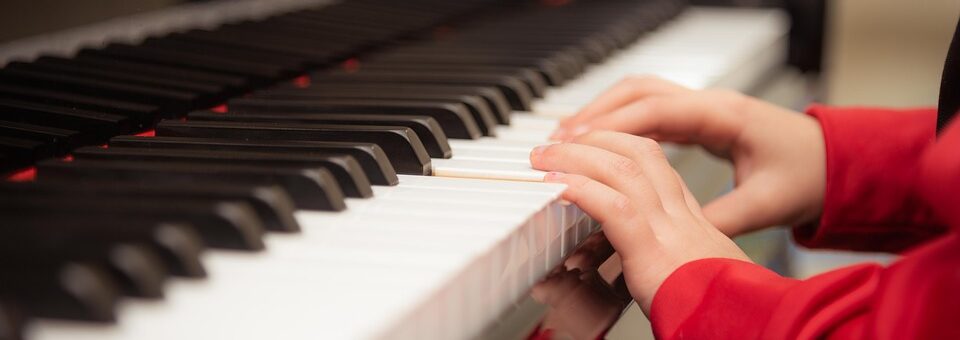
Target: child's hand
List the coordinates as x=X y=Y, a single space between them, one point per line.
x=647 y=213
x=778 y=154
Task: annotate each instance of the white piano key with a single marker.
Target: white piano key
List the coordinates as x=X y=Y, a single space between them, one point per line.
x=487 y=169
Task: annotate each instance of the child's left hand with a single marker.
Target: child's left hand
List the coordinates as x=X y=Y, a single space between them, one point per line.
x=648 y=214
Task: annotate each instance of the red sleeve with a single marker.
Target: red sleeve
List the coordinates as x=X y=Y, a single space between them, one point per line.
x=915 y=298
x=870 y=201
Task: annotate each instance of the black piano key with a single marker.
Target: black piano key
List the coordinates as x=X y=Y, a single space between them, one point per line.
x=454 y=118
x=256 y=74
x=105 y=124
x=10 y=164
x=143 y=113
x=516 y=92
x=370 y=156
x=351 y=178
x=586 y=52
x=313 y=189
x=404 y=149
x=556 y=73
x=426 y=128
x=175 y=42
x=56 y=289
x=207 y=94
x=26 y=148
x=63 y=140
x=592 y=47
x=235 y=83
x=492 y=96
x=306 y=53
x=478 y=108
x=199 y=61
x=178 y=246
x=136 y=268
x=166 y=99
x=271 y=203
x=534 y=81
x=231 y=225
x=330 y=37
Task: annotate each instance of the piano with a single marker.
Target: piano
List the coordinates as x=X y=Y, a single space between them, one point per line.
x=310 y=169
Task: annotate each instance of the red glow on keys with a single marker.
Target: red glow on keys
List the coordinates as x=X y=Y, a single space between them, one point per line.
x=69 y=158
x=25 y=175
x=301 y=81
x=442 y=32
x=351 y=65
x=148 y=133
x=222 y=108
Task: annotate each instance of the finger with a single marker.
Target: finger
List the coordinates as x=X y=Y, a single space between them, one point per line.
x=710 y=118
x=622 y=93
x=653 y=163
x=627 y=232
x=615 y=171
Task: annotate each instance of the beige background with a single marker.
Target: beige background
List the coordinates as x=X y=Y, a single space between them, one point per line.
x=887 y=52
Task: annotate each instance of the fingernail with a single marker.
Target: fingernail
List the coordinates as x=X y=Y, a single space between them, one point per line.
x=560 y=134
x=553 y=176
x=537 y=151
x=579 y=130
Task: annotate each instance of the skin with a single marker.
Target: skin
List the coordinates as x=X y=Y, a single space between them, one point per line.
x=616 y=171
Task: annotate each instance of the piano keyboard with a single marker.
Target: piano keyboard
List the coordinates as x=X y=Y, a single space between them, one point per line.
x=367 y=176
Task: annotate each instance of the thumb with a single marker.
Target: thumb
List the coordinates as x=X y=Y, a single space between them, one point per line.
x=743 y=209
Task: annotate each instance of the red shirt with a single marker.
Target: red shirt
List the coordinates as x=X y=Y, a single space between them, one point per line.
x=892 y=185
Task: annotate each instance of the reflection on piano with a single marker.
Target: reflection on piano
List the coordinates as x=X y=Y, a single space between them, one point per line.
x=347 y=170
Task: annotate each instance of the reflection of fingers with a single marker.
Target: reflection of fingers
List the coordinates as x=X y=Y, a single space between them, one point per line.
x=591 y=254
x=648 y=154
x=553 y=289
x=620 y=288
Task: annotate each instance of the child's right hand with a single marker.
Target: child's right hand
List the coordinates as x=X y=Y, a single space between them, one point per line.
x=778 y=155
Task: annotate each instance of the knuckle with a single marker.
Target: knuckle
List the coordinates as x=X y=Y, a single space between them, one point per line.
x=622 y=206
x=648 y=146
x=626 y=167
x=650 y=149
x=590 y=136
x=578 y=183
x=639 y=82
x=656 y=104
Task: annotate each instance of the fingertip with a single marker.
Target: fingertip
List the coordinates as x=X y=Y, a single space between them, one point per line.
x=577 y=132
x=537 y=152
x=553 y=177
x=559 y=135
